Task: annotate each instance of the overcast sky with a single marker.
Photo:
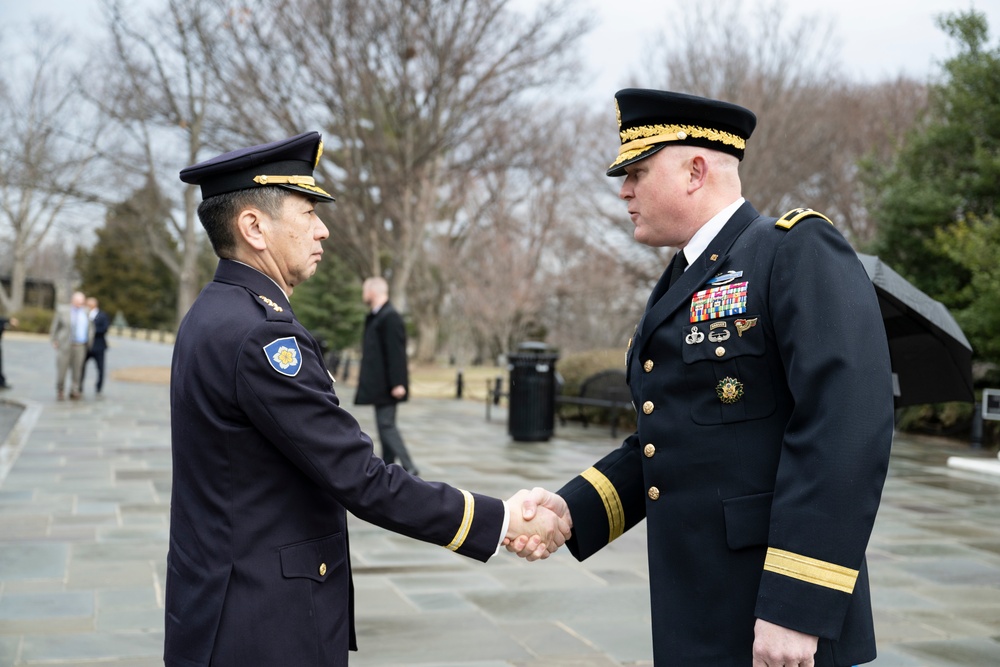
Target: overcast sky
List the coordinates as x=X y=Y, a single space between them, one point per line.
x=878 y=39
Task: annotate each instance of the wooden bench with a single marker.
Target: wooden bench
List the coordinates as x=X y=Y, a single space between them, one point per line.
x=604 y=391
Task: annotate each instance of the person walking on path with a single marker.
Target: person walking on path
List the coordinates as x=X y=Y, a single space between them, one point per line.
x=98 y=344
x=760 y=372
x=383 y=380
x=266 y=462
x=70 y=333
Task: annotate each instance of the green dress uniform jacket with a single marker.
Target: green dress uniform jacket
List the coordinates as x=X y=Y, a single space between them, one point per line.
x=765 y=416
x=266 y=465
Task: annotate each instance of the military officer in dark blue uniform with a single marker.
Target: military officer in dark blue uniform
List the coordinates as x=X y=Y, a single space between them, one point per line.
x=760 y=374
x=265 y=461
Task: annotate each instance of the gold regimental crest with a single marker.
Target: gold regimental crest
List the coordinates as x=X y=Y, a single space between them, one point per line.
x=271 y=303
x=319 y=152
x=618 y=115
x=729 y=390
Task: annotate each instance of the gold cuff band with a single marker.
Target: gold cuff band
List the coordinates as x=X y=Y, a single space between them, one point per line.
x=810 y=570
x=612 y=502
x=463 y=530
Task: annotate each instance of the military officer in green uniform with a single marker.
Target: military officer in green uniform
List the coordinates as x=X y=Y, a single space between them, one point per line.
x=760 y=374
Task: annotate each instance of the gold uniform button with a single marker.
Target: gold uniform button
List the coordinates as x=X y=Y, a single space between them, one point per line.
x=649 y=450
x=654 y=493
x=322 y=569
x=647 y=407
x=648 y=366
x=720 y=351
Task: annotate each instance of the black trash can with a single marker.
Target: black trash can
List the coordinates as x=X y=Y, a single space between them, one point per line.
x=531 y=417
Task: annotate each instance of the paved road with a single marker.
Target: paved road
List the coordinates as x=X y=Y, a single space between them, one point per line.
x=85 y=488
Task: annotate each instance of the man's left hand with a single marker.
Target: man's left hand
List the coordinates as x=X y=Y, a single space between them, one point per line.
x=778 y=646
x=398 y=392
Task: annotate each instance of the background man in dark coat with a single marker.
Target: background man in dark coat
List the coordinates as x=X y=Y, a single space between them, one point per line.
x=383 y=380
x=100 y=323
x=760 y=374
x=4 y=323
x=266 y=463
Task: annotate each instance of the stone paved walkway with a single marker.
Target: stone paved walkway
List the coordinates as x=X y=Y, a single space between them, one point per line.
x=85 y=489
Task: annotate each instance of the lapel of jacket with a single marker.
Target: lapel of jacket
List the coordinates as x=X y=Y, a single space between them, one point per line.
x=662 y=303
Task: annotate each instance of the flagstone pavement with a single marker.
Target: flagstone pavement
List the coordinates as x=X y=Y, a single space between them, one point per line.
x=85 y=490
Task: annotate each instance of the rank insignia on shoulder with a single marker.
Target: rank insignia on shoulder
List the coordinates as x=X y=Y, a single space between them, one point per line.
x=789 y=220
x=284 y=356
x=725 y=278
x=271 y=303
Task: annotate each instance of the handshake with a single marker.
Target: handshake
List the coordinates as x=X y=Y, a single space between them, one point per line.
x=539 y=523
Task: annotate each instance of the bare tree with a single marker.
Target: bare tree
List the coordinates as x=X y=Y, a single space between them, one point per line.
x=46 y=149
x=411 y=95
x=813 y=126
x=527 y=256
x=157 y=86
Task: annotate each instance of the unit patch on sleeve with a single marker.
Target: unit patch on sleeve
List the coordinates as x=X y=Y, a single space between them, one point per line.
x=722 y=301
x=284 y=356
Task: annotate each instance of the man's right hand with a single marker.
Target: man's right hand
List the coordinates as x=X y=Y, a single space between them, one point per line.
x=524 y=545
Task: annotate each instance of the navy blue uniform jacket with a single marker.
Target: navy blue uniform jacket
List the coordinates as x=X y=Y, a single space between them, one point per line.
x=265 y=465
x=760 y=505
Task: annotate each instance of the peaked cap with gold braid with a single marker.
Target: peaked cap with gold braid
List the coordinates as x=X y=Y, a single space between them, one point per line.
x=648 y=120
x=287 y=163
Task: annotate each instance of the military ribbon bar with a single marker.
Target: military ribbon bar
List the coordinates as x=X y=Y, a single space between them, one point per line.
x=723 y=301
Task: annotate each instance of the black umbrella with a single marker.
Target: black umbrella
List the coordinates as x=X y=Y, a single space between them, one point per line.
x=931 y=357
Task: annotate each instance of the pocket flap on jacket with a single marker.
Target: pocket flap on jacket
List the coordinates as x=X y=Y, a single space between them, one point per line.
x=316 y=559
x=748 y=520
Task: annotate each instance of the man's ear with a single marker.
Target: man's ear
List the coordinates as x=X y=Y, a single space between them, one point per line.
x=248 y=227
x=697 y=173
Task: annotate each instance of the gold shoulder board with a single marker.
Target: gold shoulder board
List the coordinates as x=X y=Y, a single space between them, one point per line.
x=788 y=220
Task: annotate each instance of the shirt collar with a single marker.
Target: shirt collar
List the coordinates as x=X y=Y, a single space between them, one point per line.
x=263 y=274
x=709 y=231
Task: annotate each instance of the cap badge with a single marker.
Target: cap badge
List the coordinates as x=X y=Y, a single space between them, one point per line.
x=284 y=356
x=319 y=152
x=618 y=115
x=729 y=390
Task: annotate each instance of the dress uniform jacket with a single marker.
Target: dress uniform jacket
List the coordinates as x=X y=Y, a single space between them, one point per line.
x=383 y=358
x=764 y=397
x=266 y=463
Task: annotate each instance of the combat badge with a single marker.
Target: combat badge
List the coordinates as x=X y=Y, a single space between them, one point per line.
x=725 y=278
x=729 y=390
x=284 y=356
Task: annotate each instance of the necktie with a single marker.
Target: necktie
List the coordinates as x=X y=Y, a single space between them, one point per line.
x=680 y=263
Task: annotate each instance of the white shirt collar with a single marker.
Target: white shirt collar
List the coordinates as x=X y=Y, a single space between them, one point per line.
x=709 y=231
x=263 y=274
